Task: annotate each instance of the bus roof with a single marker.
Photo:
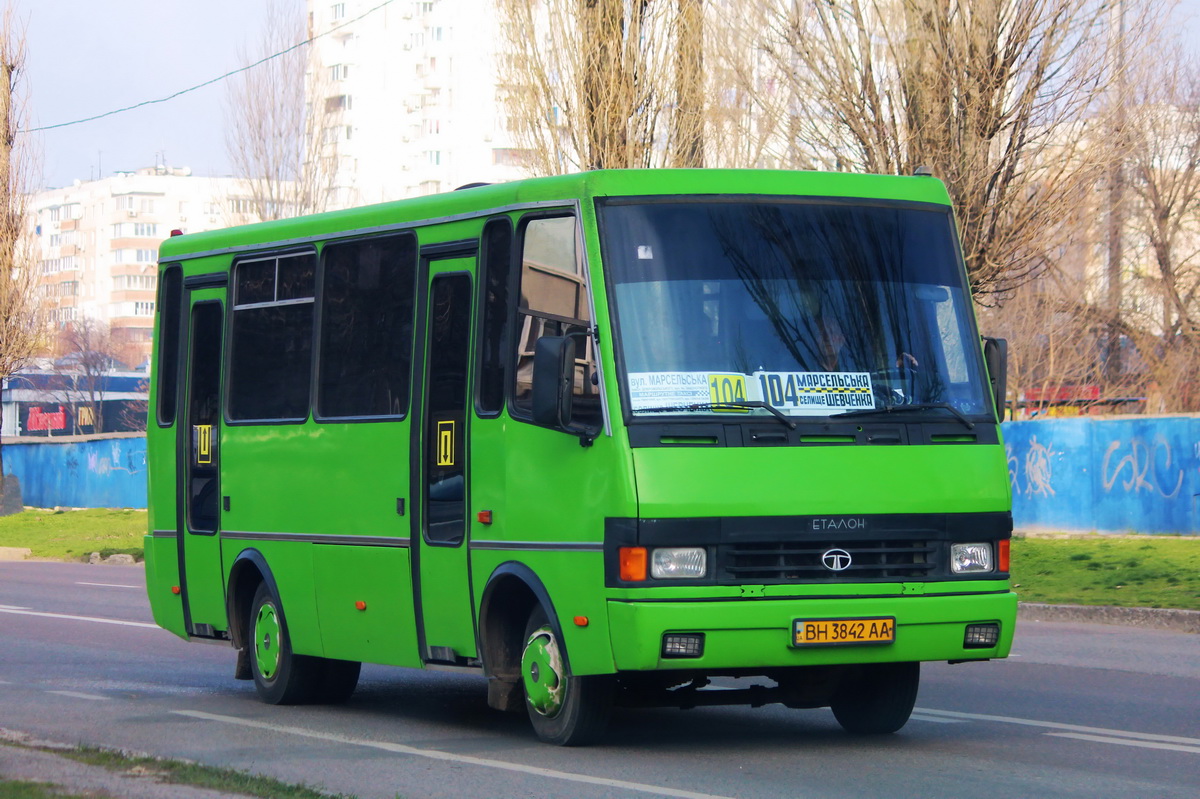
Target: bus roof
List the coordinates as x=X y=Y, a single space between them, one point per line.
x=562 y=188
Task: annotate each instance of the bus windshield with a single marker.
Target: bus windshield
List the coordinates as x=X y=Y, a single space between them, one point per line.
x=815 y=308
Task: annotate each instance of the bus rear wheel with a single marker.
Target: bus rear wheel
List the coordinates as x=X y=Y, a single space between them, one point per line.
x=564 y=710
x=280 y=676
x=876 y=698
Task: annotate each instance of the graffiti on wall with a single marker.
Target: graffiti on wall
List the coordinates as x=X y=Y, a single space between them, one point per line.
x=117 y=459
x=1037 y=466
x=1126 y=474
x=97 y=473
x=1142 y=466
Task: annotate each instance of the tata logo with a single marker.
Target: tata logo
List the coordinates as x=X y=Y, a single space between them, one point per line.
x=836 y=560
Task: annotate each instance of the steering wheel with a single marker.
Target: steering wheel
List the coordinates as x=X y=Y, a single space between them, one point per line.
x=895 y=385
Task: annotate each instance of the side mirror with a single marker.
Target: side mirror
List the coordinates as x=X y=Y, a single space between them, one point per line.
x=995 y=356
x=553 y=381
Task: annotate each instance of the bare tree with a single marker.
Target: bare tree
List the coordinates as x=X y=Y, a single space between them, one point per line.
x=22 y=324
x=88 y=356
x=1055 y=338
x=1004 y=99
x=282 y=122
x=134 y=414
x=1161 y=312
x=602 y=84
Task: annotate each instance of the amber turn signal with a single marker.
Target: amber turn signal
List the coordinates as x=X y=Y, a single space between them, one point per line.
x=360 y=605
x=633 y=564
x=1002 y=554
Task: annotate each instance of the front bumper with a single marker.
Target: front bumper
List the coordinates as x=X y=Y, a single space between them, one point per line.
x=756 y=633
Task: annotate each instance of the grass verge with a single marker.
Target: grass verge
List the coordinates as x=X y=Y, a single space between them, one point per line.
x=21 y=789
x=181 y=772
x=1150 y=572
x=173 y=772
x=74 y=534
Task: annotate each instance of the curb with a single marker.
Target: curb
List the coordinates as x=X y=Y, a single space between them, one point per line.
x=1187 y=621
x=14 y=553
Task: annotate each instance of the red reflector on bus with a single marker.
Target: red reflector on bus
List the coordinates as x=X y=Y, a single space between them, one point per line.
x=633 y=564
x=581 y=621
x=360 y=605
x=484 y=516
x=174 y=589
x=1002 y=555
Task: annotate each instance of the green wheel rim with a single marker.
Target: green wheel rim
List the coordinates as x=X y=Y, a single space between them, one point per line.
x=267 y=640
x=542 y=673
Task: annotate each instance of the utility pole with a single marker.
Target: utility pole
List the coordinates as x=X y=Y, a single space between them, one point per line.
x=687 y=143
x=8 y=222
x=1116 y=214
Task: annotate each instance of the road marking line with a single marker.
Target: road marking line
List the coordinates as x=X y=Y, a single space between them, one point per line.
x=110 y=585
x=1126 y=742
x=1054 y=725
x=435 y=754
x=12 y=607
x=919 y=717
x=26 y=612
x=78 y=695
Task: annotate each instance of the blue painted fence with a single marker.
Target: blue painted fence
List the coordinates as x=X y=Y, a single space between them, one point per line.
x=105 y=472
x=1126 y=474
x=1115 y=475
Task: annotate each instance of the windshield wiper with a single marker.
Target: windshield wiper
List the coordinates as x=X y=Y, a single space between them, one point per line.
x=916 y=406
x=714 y=406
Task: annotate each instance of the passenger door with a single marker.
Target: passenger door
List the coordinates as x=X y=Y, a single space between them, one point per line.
x=199 y=487
x=441 y=474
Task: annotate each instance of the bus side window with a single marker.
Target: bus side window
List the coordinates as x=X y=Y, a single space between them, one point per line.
x=366 y=327
x=494 y=286
x=272 y=337
x=170 y=303
x=554 y=302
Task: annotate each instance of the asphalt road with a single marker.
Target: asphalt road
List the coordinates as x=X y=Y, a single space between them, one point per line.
x=1078 y=711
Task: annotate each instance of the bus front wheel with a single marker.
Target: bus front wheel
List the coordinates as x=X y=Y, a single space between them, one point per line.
x=876 y=698
x=280 y=676
x=564 y=710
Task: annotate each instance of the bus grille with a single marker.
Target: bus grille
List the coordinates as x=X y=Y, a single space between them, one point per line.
x=801 y=561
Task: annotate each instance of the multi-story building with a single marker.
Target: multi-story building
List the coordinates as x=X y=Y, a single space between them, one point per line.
x=97 y=244
x=416 y=87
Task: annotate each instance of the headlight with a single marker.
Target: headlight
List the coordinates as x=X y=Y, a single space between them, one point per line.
x=970 y=558
x=679 y=563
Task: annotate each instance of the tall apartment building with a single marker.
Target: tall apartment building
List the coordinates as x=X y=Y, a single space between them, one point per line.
x=97 y=244
x=416 y=86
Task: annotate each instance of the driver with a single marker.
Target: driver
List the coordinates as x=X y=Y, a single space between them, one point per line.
x=833 y=355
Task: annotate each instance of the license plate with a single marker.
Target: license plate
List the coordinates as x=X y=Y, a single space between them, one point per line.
x=834 y=632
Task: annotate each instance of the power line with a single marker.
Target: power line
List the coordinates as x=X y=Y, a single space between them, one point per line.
x=217 y=79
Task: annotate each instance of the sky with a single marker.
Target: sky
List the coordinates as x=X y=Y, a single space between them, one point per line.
x=88 y=57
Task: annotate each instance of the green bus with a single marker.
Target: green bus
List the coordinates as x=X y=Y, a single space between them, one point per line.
x=598 y=438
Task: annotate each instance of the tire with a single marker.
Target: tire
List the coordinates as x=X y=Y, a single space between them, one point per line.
x=281 y=677
x=877 y=698
x=564 y=710
x=337 y=681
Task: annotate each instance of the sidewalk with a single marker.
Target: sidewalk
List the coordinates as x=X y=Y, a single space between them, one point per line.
x=1184 y=621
